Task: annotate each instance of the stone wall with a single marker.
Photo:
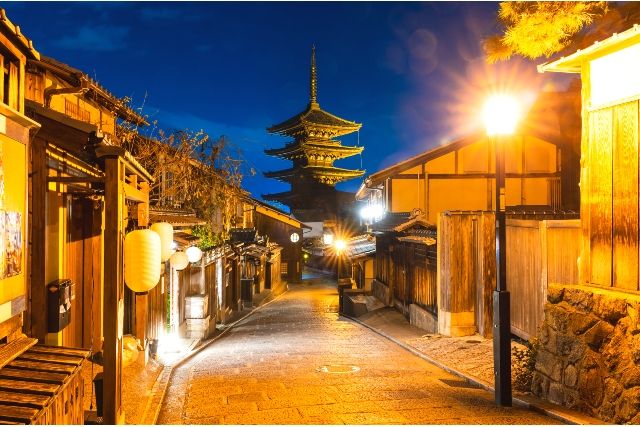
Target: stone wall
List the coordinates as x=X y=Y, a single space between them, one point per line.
x=381 y=291
x=421 y=318
x=589 y=356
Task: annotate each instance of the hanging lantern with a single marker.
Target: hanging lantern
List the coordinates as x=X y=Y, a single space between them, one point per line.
x=179 y=261
x=194 y=253
x=165 y=231
x=141 y=260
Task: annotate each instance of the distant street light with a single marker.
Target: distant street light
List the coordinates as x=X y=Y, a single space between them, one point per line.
x=501 y=114
x=340 y=245
x=371 y=213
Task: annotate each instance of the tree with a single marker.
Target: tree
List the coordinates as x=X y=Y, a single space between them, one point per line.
x=191 y=171
x=541 y=29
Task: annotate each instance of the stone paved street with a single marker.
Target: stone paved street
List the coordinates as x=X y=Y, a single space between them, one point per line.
x=296 y=362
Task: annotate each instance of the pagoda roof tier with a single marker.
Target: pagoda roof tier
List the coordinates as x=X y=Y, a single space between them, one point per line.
x=321 y=174
x=332 y=149
x=315 y=122
x=284 y=197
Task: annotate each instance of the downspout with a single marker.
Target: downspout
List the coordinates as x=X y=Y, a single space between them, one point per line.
x=49 y=93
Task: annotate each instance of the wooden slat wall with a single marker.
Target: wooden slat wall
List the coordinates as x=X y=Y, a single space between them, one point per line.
x=600 y=189
x=457 y=278
x=625 y=196
x=425 y=278
x=156 y=306
x=524 y=276
x=538 y=253
x=485 y=274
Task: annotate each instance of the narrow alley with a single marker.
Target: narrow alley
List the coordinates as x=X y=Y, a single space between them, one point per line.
x=295 y=361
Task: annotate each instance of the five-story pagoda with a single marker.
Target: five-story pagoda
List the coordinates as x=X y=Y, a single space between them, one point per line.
x=313 y=150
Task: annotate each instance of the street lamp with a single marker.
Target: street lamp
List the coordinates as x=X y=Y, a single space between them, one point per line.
x=501 y=114
x=340 y=245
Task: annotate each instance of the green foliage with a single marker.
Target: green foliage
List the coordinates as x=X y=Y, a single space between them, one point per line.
x=524 y=364
x=537 y=29
x=208 y=238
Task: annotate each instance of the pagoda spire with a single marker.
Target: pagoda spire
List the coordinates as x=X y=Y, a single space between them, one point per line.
x=313 y=92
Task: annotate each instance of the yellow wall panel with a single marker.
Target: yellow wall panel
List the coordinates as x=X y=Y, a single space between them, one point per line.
x=443 y=164
x=15 y=188
x=474 y=158
x=456 y=194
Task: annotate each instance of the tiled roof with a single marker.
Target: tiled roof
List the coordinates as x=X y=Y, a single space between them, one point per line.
x=390 y=221
x=360 y=246
x=243 y=235
x=313 y=116
x=175 y=217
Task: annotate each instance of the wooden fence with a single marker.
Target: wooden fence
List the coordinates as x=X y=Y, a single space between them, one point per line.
x=466 y=258
x=539 y=252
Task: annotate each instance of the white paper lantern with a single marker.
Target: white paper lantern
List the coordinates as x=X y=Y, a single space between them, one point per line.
x=165 y=231
x=179 y=260
x=141 y=260
x=194 y=253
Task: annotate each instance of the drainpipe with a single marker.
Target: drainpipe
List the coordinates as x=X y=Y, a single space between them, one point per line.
x=74 y=90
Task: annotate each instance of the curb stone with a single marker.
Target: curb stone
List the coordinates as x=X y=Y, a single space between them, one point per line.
x=534 y=406
x=159 y=388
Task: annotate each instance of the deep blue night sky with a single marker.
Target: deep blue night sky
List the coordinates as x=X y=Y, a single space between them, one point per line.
x=411 y=73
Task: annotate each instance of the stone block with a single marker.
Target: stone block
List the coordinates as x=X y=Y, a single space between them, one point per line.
x=577 y=351
x=581 y=299
x=423 y=319
x=565 y=344
x=579 y=322
x=570 y=376
x=598 y=334
x=556 y=393
x=548 y=364
x=555 y=293
x=612 y=390
x=609 y=307
x=558 y=316
x=631 y=376
x=591 y=387
x=572 y=400
x=628 y=405
x=539 y=385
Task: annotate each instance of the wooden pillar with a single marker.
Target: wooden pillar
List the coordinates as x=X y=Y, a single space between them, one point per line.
x=37 y=319
x=142 y=308
x=113 y=314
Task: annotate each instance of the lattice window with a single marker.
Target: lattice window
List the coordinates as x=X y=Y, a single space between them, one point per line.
x=73 y=110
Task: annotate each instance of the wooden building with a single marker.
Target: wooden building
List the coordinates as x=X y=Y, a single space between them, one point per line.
x=287 y=232
x=541 y=167
x=313 y=150
x=41 y=384
x=608 y=266
x=66 y=199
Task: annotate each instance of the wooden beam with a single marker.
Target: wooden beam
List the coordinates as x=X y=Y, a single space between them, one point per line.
x=113 y=311
x=132 y=193
x=37 y=323
x=74 y=179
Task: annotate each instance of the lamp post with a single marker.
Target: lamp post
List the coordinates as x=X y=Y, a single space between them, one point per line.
x=340 y=245
x=501 y=114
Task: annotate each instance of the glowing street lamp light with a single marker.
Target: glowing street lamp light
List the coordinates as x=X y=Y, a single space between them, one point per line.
x=340 y=245
x=501 y=114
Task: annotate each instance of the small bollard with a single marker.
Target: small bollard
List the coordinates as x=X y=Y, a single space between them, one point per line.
x=98 y=382
x=346 y=283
